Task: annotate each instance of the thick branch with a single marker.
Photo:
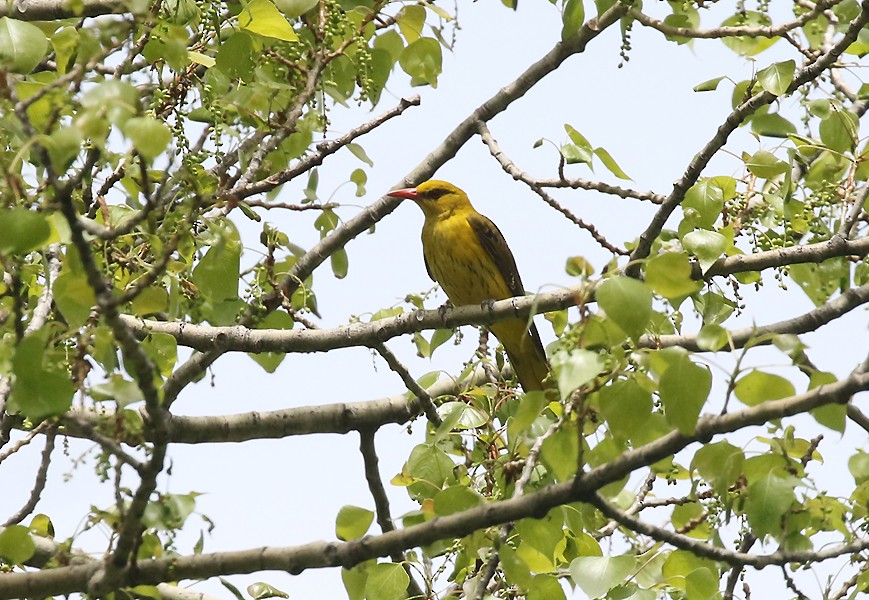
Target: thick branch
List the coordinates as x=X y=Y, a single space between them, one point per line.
x=304 y=420
x=53 y=10
x=322 y=554
x=242 y=339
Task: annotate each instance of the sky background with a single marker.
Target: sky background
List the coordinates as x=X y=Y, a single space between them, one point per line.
x=288 y=492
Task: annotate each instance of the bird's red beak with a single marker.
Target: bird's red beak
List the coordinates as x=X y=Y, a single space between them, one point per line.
x=406 y=193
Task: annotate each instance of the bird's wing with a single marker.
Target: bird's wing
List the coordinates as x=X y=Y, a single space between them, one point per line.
x=496 y=246
x=428 y=268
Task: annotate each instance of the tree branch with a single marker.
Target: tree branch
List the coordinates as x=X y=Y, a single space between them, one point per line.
x=39 y=483
x=810 y=321
x=53 y=10
x=731 y=557
x=451 y=144
x=64 y=580
x=511 y=169
x=806 y=253
x=381 y=503
x=722 y=32
x=733 y=120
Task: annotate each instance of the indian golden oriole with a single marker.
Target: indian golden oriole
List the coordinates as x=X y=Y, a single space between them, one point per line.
x=468 y=256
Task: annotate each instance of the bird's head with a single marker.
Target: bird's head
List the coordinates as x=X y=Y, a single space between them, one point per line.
x=436 y=198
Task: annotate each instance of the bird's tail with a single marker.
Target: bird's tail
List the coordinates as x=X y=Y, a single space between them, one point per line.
x=525 y=351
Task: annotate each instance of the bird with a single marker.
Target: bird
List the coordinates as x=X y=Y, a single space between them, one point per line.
x=468 y=256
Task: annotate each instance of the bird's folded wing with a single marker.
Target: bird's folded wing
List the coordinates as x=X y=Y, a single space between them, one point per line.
x=494 y=243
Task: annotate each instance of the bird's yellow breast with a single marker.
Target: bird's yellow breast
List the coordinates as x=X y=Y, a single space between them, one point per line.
x=459 y=262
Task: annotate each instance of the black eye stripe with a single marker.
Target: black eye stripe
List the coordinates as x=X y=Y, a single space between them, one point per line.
x=435 y=193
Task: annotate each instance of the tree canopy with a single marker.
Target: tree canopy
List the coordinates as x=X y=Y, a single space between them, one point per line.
x=159 y=162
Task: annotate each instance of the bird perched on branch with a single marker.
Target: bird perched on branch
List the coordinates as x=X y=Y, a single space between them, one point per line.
x=467 y=255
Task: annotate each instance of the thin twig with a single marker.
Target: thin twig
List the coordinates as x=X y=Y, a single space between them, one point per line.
x=381 y=503
x=39 y=483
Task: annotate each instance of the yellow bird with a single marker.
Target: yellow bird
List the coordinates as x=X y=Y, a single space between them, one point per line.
x=467 y=255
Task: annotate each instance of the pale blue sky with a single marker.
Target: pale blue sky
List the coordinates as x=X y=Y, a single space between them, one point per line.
x=287 y=492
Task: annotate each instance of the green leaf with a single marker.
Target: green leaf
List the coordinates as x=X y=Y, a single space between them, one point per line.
x=456 y=498
x=149 y=136
x=430 y=464
x=545 y=587
x=116 y=100
x=596 y=575
x=765 y=164
x=777 y=77
x=354 y=580
x=544 y=535
x=757 y=387
x=63 y=146
x=709 y=85
x=117 y=389
x=832 y=416
x=706 y=200
x=576 y=137
x=626 y=406
x=680 y=564
x=840 y=131
x=270 y=361
x=295 y=8
x=702 y=584
x=152 y=299
x=772 y=125
x=340 y=263
x=707 y=246
x=386 y=581
x=669 y=275
x=22 y=45
x=626 y=301
x=575 y=368
x=712 y=337
x=767 y=501
x=16 y=544
x=235 y=57
x=515 y=569
x=260 y=591
x=22 y=230
x=745 y=45
x=858 y=466
x=819 y=282
x=64 y=42
x=560 y=453
x=684 y=389
x=422 y=60
x=462 y=415
x=232 y=589
x=359 y=152
x=217 y=273
x=572 y=17
x=610 y=163
x=574 y=154
x=577 y=266
x=352 y=522
x=720 y=464
x=263 y=18
x=411 y=19
x=42 y=384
